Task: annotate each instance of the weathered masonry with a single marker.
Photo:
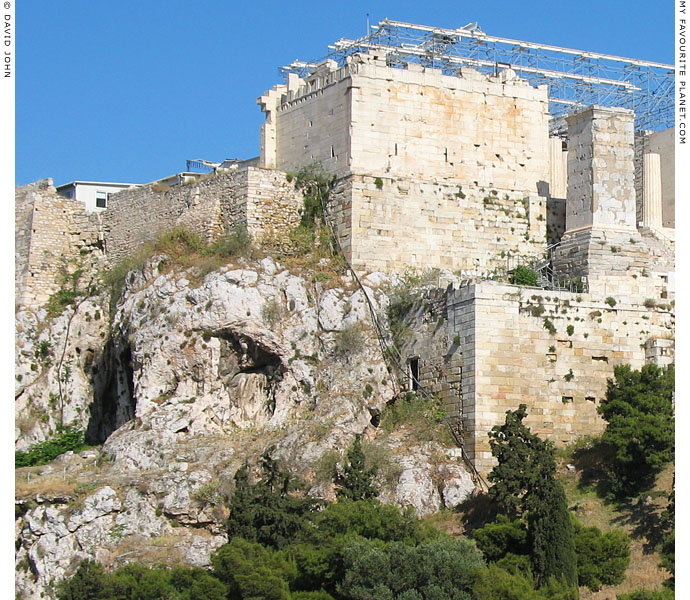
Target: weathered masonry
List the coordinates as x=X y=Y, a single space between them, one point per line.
x=51 y=233
x=260 y=200
x=493 y=351
x=433 y=170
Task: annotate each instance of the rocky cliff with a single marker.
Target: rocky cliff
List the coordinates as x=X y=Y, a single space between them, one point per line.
x=191 y=377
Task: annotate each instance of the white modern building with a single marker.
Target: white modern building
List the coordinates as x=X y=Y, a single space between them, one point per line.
x=94 y=194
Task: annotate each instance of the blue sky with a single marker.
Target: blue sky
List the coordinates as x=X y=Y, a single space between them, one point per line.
x=127 y=91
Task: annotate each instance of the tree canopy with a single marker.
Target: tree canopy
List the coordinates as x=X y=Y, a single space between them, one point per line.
x=638 y=409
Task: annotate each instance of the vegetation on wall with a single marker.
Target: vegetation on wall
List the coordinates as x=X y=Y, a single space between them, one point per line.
x=315 y=186
x=524 y=276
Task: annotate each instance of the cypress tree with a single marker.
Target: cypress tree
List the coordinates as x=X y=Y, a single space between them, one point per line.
x=525 y=484
x=357 y=483
x=551 y=534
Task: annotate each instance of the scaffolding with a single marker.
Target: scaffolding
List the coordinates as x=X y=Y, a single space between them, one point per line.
x=575 y=78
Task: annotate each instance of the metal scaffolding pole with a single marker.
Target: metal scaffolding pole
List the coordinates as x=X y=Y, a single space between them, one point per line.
x=575 y=78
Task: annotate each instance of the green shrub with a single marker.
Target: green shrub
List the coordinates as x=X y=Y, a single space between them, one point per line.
x=601 y=558
x=67 y=438
x=442 y=568
x=378 y=182
x=357 y=481
x=234 y=243
x=611 y=301
x=266 y=512
x=496 y=540
x=60 y=300
x=249 y=570
x=92 y=582
x=638 y=409
x=496 y=583
x=570 y=329
x=524 y=276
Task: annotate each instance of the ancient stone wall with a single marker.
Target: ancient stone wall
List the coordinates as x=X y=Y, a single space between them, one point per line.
x=418 y=123
x=368 y=118
x=273 y=204
x=392 y=225
x=51 y=233
x=634 y=265
x=261 y=200
x=494 y=346
x=312 y=123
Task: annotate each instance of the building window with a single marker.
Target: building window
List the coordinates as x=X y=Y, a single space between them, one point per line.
x=101 y=199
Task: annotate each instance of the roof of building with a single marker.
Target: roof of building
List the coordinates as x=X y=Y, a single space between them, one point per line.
x=104 y=183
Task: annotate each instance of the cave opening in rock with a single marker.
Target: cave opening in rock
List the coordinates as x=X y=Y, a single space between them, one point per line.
x=114 y=403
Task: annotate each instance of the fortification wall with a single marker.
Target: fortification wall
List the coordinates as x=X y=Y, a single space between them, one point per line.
x=261 y=200
x=312 y=123
x=488 y=132
x=51 y=231
x=368 y=118
x=487 y=350
x=561 y=376
x=273 y=204
x=391 y=225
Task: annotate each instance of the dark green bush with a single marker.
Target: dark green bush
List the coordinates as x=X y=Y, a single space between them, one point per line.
x=601 y=558
x=495 y=583
x=358 y=480
x=252 y=571
x=524 y=276
x=638 y=409
x=442 y=568
x=67 y=438
x=495 y=540
x=265 y=512
x=135 y=581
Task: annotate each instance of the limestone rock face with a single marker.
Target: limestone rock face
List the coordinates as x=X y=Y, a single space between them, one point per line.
x=197 y=377
x=57 y=368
